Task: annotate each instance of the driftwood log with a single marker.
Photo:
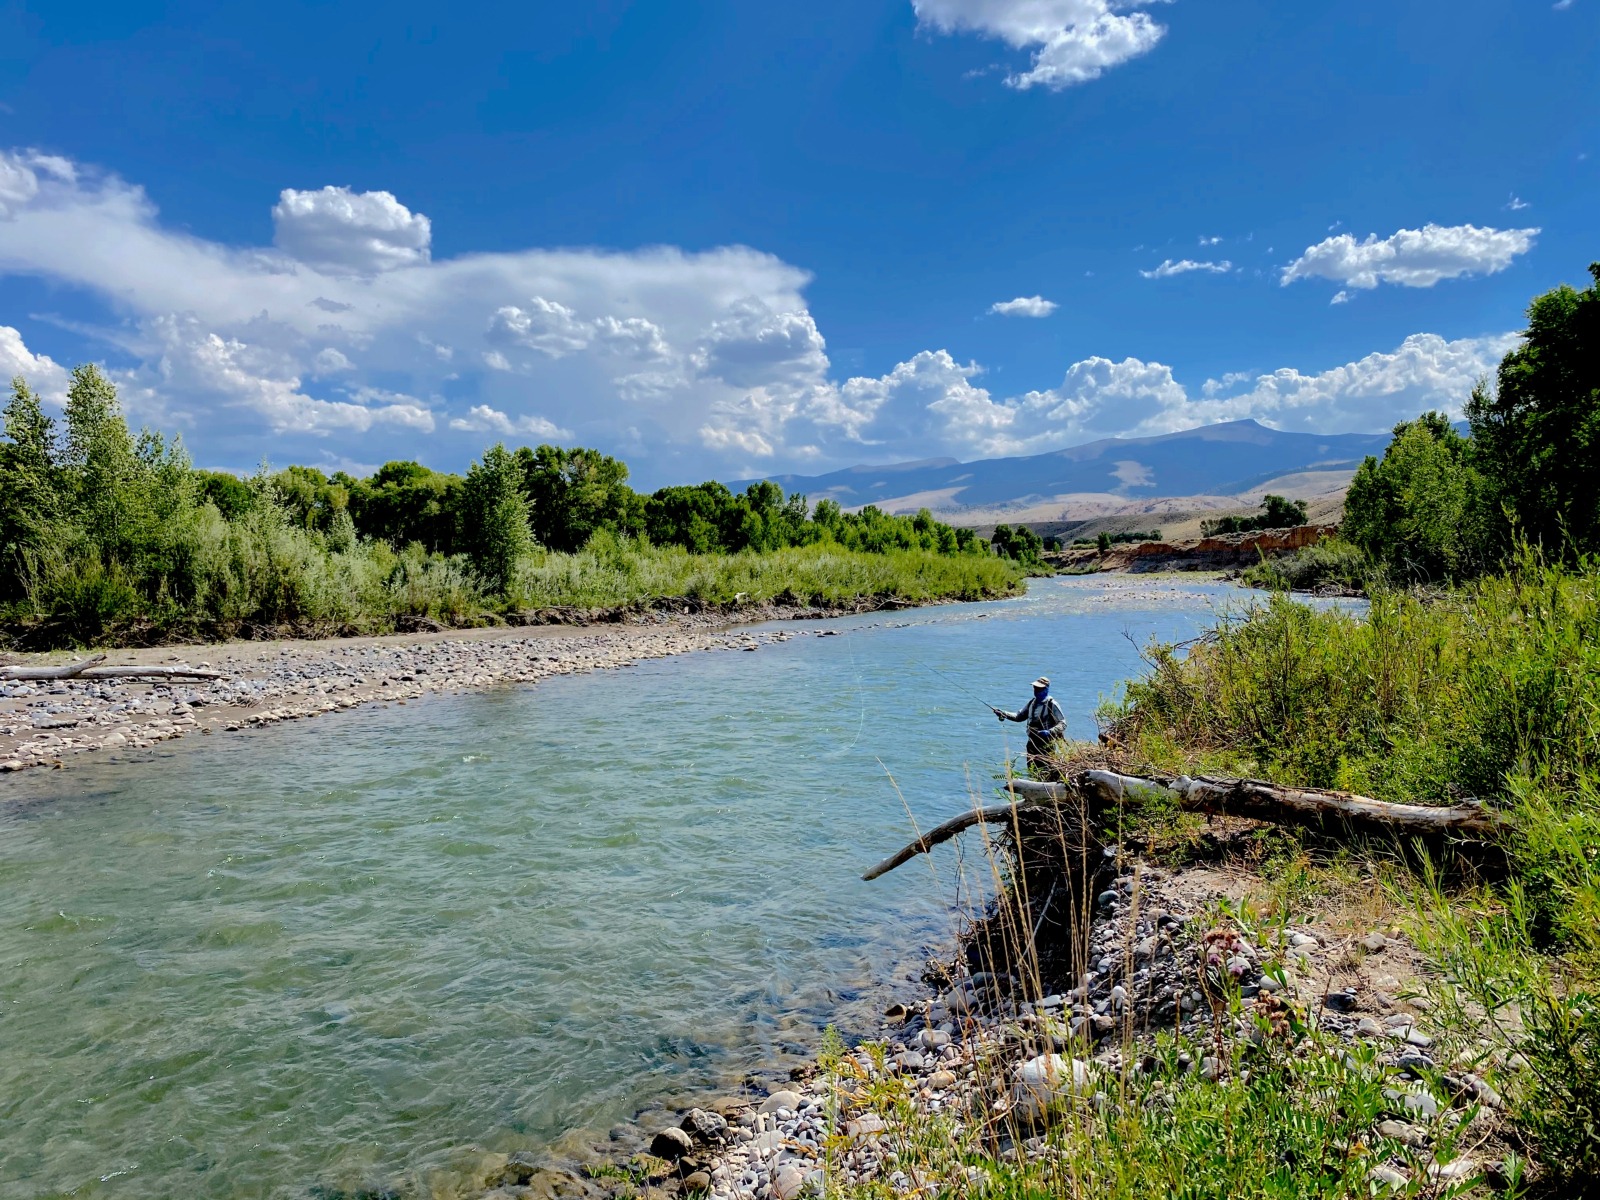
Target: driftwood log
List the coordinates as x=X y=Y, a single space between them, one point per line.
x=89 y=669
x=1213 y=796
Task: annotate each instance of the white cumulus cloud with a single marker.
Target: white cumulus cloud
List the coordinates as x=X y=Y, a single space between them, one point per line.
x=483 y=419
x=1073 y=41
x=631 y=350
x=43 y=374
x=338 y=230
x=1411 y=257
x=1024 y=306
x=1183 y=266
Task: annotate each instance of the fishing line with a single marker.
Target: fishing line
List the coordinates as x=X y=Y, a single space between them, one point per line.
x=861 y=695
x=954 y=683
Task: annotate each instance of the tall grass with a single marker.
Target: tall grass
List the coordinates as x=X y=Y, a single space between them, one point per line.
x=1489 y=693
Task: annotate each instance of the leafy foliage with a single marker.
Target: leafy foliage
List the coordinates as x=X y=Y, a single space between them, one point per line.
x=1277 y=512
x=1538 y=433
x=110 y=537
x=1423 y=510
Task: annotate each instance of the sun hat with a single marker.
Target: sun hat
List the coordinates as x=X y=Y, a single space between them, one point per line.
x=1041 y=682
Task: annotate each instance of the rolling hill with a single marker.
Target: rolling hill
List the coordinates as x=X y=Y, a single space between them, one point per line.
x=1217 y=463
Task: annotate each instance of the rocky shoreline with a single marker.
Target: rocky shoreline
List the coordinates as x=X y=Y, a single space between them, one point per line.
x=45 y=723
x=981 y=1058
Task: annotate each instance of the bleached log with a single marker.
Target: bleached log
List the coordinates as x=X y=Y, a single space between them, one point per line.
x=1253 y=798
x=1318 y=809
x=88 y=670
x=152 y=673
x=67 y=671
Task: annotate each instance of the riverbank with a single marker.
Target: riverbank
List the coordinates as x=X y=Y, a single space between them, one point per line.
x=45 y=723
x=1201 y=978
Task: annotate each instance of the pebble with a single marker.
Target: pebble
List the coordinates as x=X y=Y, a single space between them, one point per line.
x=671 y=1144
x=1385 y=1174
x=1374 y=943
x=310 y=678
x=789 y=1180
x=780 y=1099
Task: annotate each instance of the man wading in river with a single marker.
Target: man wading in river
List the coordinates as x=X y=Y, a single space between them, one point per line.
x=1046 y=722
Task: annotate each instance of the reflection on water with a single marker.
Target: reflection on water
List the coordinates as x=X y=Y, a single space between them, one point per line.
x=348 y=950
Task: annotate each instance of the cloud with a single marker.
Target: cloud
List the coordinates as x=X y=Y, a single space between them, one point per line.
x=44 y=374
x=1516 y=203
x=1073 y=41
x=1024 y=306
x=634 y=350
x=337 y=230
x=194 y=360
x=330 y=362
x=1168 y=268
x=686 y=364
x=1340 y=297
x=755 y=346
x=1210 y=241
x=1411 y=257
x=481 y=418
x=933 y=404
x=1425 y=371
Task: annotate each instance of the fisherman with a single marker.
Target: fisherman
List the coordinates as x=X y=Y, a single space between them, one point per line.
x=1046 y=722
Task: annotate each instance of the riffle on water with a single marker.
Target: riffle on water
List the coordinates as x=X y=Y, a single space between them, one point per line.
x=357 y=950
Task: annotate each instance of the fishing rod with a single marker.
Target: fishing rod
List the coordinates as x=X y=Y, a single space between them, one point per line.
x=955 y=683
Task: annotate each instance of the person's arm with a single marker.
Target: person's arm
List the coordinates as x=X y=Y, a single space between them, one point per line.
x=1016 y=716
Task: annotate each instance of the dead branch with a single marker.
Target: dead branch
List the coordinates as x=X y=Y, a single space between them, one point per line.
x=994 y=813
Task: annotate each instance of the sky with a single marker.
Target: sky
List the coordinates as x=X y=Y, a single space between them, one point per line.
x=725 y=238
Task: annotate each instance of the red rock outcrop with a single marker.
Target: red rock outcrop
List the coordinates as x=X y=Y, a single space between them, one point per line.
x=1214 y=553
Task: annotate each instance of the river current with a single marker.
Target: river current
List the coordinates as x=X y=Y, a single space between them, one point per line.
x=356 y=952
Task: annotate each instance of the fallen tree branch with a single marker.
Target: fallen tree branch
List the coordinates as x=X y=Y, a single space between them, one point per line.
x=69 y=671
x=994 y=813
x=1253 y=798
x=88 y=670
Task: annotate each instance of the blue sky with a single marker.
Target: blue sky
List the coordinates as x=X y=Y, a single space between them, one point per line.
x=734 y=238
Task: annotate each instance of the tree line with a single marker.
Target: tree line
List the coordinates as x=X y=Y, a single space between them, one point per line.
x=98 y=522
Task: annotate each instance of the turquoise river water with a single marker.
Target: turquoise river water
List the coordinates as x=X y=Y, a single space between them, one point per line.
x=356 y=952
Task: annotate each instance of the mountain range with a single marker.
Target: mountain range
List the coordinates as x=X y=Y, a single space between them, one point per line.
x=1192 y=468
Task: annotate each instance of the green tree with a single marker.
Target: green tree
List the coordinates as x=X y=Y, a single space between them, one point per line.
x=99 y=457
x=29 y=483
x=231 y=495
x=494 y=517
x=574 y=493
x=1422 y=509
x=311 y=498
x=404 y=502
x=1538 y=432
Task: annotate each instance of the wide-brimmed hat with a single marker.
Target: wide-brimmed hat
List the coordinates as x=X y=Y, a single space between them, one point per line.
x=1041 y=682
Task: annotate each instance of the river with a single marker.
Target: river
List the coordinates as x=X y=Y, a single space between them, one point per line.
x=357 y=951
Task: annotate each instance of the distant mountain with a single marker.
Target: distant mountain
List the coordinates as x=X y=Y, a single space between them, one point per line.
x=1213 y=460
